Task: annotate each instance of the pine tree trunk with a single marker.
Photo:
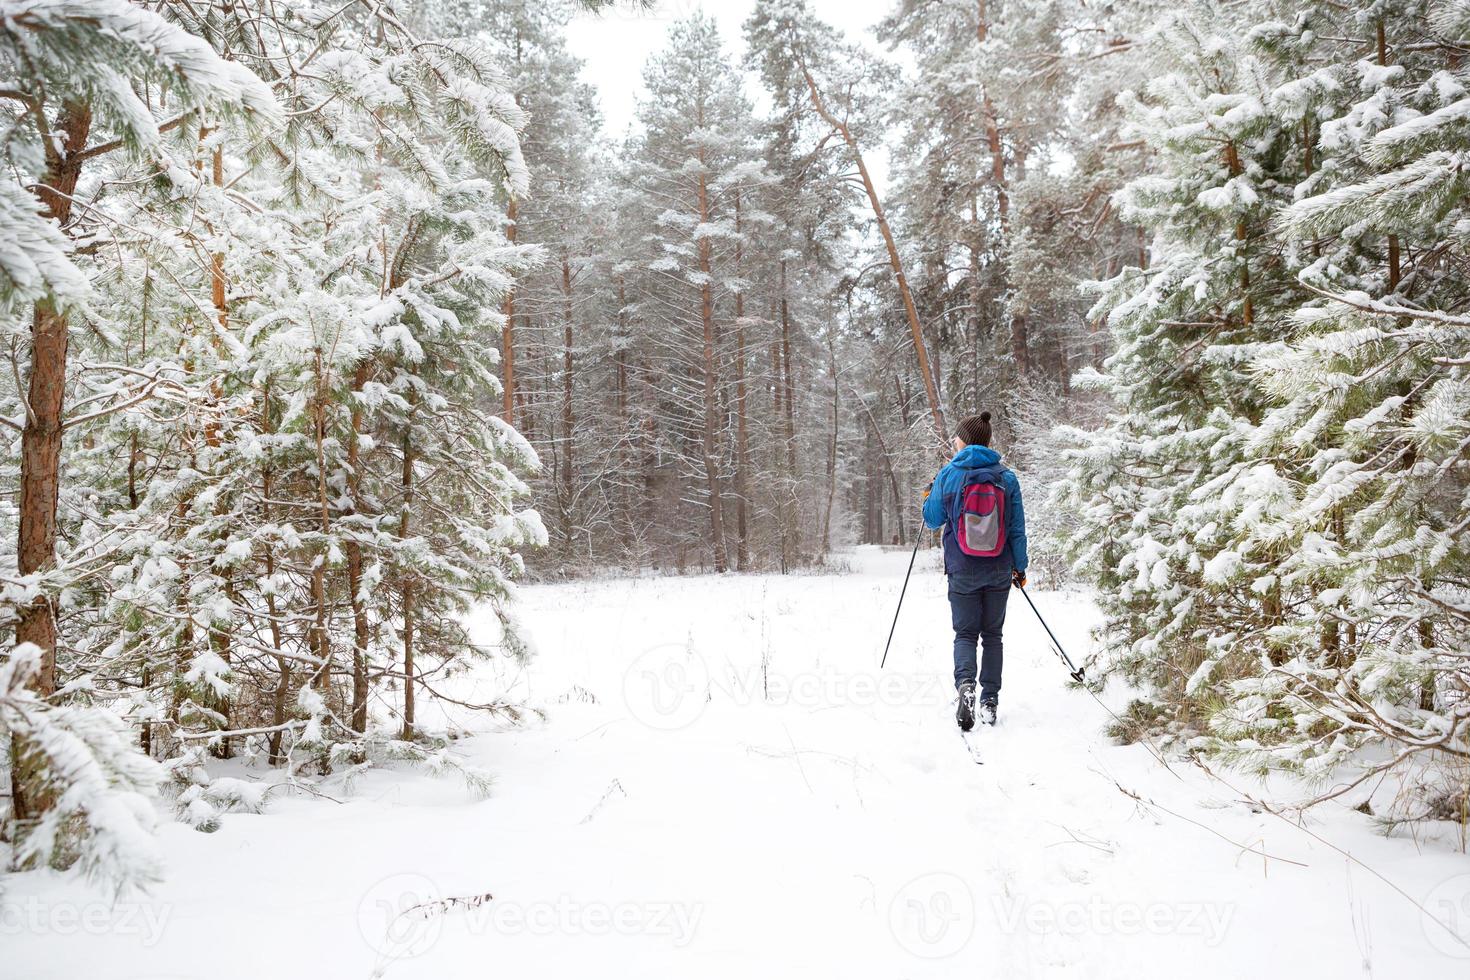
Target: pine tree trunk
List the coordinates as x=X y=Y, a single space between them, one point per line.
x=360 y=627
x=742 y=435
x=568 y=415
x=790 y=514
x=408 y=592
x=788 y=382
x=898 y=504
x=936 y=409
x=1020 y=342
x=1394 y=271
x=283 y=684
x=831 y=450
x=1242 y=233
x=707 y=316
x=507 y=337
x=40 y=457
x=321 y=647
x=219 y=639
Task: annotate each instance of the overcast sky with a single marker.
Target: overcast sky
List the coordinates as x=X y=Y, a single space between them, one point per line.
x=616 y=44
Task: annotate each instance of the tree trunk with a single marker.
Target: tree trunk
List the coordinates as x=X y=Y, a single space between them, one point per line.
x=742 y=435
x=283 y=685
x=321 y=641
x=787 y=381
x=221 y=640
x=831 y=449
x=408 y=590
x=1247 y=305
x=898 y=504
x=920 y=349
x=568 y=416
x=790 y=514
x=360 y=630
x=1393 y=240
x=507 y=337
x=40 y=456
x=707 y=315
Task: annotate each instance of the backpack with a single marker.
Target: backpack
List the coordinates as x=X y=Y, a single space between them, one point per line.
x=980 y=530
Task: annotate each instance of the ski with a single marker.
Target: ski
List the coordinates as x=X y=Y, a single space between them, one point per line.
x=969 y=739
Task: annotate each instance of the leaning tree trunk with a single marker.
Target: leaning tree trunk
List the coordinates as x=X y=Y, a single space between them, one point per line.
x=936 y=410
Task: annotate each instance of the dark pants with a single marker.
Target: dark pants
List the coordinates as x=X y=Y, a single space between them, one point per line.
x=978 y=615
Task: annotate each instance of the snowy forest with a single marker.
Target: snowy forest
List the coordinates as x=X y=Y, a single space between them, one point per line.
x=353 y=359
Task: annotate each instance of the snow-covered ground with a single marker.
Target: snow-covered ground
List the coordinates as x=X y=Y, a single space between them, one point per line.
x=726 y=786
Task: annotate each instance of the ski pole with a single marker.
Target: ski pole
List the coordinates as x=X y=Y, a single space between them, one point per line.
x=1056 y=645
x=917 y=538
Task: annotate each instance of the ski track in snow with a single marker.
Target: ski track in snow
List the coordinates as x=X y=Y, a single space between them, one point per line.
x=682 y=813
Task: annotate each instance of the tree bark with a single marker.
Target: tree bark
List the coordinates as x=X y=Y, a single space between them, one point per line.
x=568 y=415
x=787 y=399
x=40 y=454
x=283 y=684
x=507 y=338
x=1394 y=271
x=831 y=449
x=742 y=434
x=360 y=626
x=320 y=639
x=707 y=316
x=408 y=590
x=911 y=311
x=898 y=504
x=1247 y=305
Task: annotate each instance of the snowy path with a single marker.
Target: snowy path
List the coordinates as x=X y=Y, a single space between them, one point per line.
x=682 y=814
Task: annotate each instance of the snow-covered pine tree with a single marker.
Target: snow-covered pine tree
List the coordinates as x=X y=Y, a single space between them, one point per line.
x=365 y=363
x=82 y=83
x=556 y=337
x=1369 y=417
x=289 y=488
x=1280 y=508
x=697 y=129
x=1166 y=490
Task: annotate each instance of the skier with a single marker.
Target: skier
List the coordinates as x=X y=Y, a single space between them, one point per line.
x=977 y=500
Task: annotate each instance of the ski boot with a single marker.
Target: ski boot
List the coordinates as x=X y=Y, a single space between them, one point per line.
x=964 y=714
x=988 y=708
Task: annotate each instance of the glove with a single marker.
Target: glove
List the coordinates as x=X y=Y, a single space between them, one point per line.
x=1018 y=579
x=926 y=493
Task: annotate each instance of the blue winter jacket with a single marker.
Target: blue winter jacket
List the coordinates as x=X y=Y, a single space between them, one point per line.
x=966 y=572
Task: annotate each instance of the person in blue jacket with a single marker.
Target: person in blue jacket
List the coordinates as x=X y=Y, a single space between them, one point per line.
x=978 y=587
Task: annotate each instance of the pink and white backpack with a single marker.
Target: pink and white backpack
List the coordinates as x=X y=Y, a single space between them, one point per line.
x=981 y=529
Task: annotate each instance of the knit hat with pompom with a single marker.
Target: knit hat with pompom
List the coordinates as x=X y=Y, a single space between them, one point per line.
x=975 y=430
